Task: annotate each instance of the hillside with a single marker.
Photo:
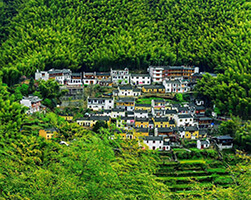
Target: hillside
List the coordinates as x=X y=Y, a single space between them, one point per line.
x=98 y=34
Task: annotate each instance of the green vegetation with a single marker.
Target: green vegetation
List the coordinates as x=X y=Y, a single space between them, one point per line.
x=97 y=35
x=135 y=34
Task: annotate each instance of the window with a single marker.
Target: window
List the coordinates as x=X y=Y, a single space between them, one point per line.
x=147 y=141
x=181 y=120
x=153 y=147
x=153 y=141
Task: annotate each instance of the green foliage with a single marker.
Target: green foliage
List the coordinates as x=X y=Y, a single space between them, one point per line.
x=135 y=34
x=98 y=125
x=179 y=97
x=230 y=92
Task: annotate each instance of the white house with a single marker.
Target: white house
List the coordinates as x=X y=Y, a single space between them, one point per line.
x=157 y=142
x=89 y=78
x=76 y=79
x=136 y=92
x=42 y=75
x=223 y=142
x=140 y=79
x=178 y=86
x=120 y=76
x=124 y=91
x=62 y=76
x=33 y=103
x=100 y=103
x=140 y=114
x=203 y=144
x=156 y=73
x=115 y=113
x=184 y=120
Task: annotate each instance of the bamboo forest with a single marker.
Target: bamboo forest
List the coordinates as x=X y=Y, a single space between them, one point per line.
x=103 y=160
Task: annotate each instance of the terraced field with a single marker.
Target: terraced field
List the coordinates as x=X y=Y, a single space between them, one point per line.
x=185 y=176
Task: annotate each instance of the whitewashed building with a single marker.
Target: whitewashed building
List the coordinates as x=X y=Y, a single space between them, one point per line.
x=124 y=91
x=203 y=144
x=89 y=78
x=184 y=120
x=178 y=86
x=157 y=142
x=141 y=114
x=156 y=73
x=100 y=103
x=120 y=76
x=33 y=103
x=115 y=113
x=140 y=79
x=42 y=75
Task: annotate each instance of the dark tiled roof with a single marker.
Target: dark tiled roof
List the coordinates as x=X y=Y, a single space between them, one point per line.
x=224 y=137
x=182 y=116
x=141 y=119
x=140 y=111
x=126 y=100
x=143 y=130
x=153 y=138
x=191 y=128
x=154 y=87
x=118 y=110
x=140 y=75
x=165 y=130
x=125 y=87
x=171 y=111
x=103 y=73
x=142 y=105
x=161 y=119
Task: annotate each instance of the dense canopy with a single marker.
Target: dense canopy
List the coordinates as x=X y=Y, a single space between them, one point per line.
x=114 y=33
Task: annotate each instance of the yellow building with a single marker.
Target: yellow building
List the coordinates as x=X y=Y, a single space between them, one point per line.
x=191 y=132
x=47 y=133
x=143 y=107
x=153 y=89
x=161 y=122
x=140 y=132
x=67 y=117
x=91 y=121
x=126 y=104
x=141 y=123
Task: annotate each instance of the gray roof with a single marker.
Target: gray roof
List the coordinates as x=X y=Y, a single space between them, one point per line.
x=140 y=111
x=182 y=116
x=118 y=110
x=161 y=119
x=103 y=73
x=56 y=71
x=90 y=98
x=141 y=119
x=165 y=130
x=136 y=90
x=125 y=87
x=154 y=87
x=153 y=138
x=126 y=100
x=142 y=105
x=191 y=128
x=33 y=99
x=205 y=118
x=143 y=130
x=224 y=137
x=171 y=111
x=142 y=75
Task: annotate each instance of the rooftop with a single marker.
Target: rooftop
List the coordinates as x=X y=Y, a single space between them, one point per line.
x=182 y=116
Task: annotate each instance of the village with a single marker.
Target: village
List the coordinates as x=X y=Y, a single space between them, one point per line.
x=139 y=105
